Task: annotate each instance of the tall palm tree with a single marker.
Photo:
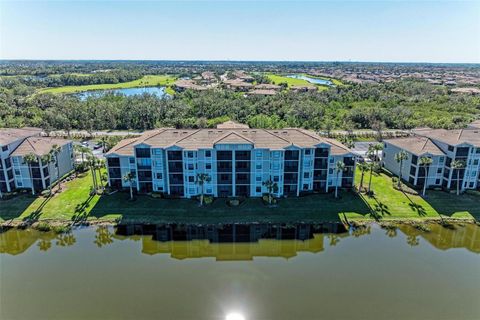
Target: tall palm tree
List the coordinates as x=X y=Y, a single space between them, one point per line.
x=130 y=176
x=458 y=165
x=201 y=179
x=377 y=148
x=339 y=167
x=400 y=157
x=363 y=167
x=425 y=162
x=92 y=162
x=272 y=187
x=371 y=165
x=55 y=151
x=48 y=159
x=30 y=159
x=99 y=165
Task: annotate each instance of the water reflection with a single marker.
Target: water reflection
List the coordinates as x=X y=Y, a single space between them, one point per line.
x=239 y=241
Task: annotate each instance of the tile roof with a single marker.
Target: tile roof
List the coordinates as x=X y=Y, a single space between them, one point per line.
x=38 y=145
x=207 y=138
x=416 y=145
x=9 y=135
x=452 y=137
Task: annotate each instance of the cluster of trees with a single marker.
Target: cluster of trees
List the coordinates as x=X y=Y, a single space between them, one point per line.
x=398 y=105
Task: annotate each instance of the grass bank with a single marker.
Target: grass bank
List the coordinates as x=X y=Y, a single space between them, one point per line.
x=387 y=205
x=146 y=81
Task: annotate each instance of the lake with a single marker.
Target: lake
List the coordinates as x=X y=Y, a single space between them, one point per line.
x=311 y=79
x=157 y=91
x=241 y=272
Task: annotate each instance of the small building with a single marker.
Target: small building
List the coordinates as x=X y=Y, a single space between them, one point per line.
x=182 y=85
x=262 y=92
x=444 y=147
x=238 y=85
x=303 y=88
x=15 y=173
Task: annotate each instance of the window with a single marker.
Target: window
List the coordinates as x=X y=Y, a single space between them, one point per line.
x=17 y=172
x=276 y=178
x=258 y=154
x=258 y=178
x=439 y=170
x=475 y=162
x=305 y=187
x=330 y=171
x=159 y=188
x=159 y=175
x=15 y=160
x=132 y=160
x=190 y=166
x=450 y=148
x=191 y=179
x=306 y=175
x=208 y=166
x=258 y=166
x=437 y=181
x=209 y=191
x=190 y=154
x=331 y=160
x=4 y=148
x=157 y=152
x=208 y=153
x=258 y=189
x=19 y=183
x=441 y=160
x=307 y=152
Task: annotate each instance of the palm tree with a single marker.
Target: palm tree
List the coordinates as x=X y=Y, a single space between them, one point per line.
x=377 y=148
x=30 y=159
x=272 y=187
x=55 y=151
x=48 y=159
x=201 y=179
x=458 y=165
x=400 y=157
x=363 y=167
x=425 y=162
x=82 y=150
x=130 y=176
x=92 y=162
x=339 y=167
x=99 y=165
x=371 y=156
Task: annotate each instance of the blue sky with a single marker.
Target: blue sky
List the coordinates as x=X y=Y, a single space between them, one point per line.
x=410 y=31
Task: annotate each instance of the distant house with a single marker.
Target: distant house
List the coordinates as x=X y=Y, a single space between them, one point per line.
x=182 y=85
x=472 y=90
x=16 y=144
x=240 y=74
x=262 y=92
x=443 y=147
x=238 y=85
x=232 y=125
x=267 y=86
x=305 y=88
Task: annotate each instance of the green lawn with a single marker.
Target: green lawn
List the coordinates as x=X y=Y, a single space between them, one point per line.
x=386 y=205
x=146 y=81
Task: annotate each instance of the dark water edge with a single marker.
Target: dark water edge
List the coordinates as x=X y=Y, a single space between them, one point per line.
x=263 y=271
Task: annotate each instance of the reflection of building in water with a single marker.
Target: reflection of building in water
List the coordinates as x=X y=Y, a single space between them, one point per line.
x=16 y=241
x=232 y=242
x=442 y=238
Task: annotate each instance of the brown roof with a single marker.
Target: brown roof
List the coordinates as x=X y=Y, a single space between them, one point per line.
x=267 y=86
x=231 y=125
x=452 y=137
x=208 y=138
x=466 y=90
x=238 y=83
x=10 y=135
x=263 y=92
x=189 y=84
x=39 y=146
x=416 y=145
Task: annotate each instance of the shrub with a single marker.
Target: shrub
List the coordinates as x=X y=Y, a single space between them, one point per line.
x=43 y=226
x=61 y=229
x=157 y=195
x=208 y=199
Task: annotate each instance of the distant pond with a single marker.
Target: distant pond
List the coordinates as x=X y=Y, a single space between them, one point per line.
x=157 y=91
x=311 y=79
x=260 y=271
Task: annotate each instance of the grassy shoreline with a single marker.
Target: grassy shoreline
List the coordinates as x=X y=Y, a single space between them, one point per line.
x=146 y=81
x=389 y=205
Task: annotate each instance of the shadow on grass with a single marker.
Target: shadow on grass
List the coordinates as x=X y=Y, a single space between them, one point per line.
x=312 y=208
x=448 y=204
x=13 y=208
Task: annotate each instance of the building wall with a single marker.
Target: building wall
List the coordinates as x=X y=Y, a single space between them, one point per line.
x=174 y=171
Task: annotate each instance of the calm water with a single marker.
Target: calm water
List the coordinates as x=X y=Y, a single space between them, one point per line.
x=311 y=79
x=262 y=272
x=158 y=91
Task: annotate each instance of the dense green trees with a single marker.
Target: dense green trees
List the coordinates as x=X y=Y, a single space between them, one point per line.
x=398 y=105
